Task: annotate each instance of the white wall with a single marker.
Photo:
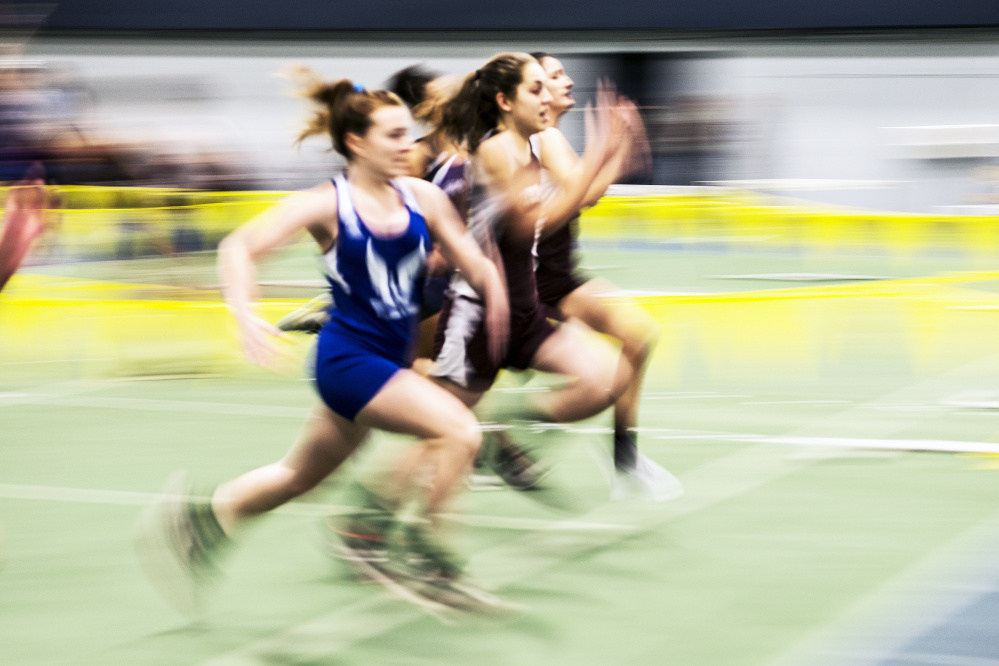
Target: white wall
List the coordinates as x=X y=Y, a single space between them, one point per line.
x=802 y=109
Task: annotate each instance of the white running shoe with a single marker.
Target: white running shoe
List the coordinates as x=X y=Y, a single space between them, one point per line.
x=648 y=480
x=478 y=481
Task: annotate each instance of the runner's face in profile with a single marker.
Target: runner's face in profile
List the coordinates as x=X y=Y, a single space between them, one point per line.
x=529 y=109
x=559 y=84
x=387 y=143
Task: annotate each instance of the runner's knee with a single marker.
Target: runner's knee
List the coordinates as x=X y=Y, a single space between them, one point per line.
x=469 y=436
x=463 y=433
x=601 y=388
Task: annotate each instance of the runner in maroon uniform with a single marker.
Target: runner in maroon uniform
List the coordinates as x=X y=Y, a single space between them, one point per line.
x=495 y=114
x=575 y=296
x=497 y=111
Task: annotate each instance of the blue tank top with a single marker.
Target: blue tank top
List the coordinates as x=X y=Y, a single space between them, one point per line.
x=377 y=281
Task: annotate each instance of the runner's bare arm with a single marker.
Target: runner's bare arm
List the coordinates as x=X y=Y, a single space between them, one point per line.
x=239 y=251
x=458 y=247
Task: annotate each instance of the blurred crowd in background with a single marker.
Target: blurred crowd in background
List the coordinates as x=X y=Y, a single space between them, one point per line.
x=45 y=119
x=43 y=125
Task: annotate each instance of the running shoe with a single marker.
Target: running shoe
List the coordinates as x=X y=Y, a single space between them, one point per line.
x=482 y=476
x=364 y=541
x=180 y=560
x=648 y=480
x=361 y=540
x=432 y=572
x=518 y=467
x=310 y=318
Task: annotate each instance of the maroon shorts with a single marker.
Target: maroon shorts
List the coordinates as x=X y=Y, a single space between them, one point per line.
x=461 y=350
x=553 y=285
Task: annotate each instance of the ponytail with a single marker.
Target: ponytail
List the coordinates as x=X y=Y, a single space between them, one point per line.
x=473 y=111
x=411 y=84
x=340 y=107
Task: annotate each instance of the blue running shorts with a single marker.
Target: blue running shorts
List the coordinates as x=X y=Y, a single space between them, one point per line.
x=348 y=372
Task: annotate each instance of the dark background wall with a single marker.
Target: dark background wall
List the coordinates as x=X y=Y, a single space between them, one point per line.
x=505 y=15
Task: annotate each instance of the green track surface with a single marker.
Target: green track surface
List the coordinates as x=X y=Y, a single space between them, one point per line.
x=776 y=554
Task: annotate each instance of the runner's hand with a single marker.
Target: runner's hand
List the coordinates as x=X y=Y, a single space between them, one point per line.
x=497 y=319
x=257 y=337
x=640 y=154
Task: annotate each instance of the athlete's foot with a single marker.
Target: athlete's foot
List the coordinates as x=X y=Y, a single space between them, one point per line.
x=646 y=480
x=310 y=318
x=178 y=554
x=517 y=467
x=482 y=477
x=361 y=540
x=481 y=480
x=431 y=571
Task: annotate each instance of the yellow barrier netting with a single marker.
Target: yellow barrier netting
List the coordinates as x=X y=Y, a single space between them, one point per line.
x=85 y=328
x=80 y=328
x=98 y=221
x=751 y=219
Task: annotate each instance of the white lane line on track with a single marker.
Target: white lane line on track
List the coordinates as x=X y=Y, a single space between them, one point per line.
x=45 y=393
x=932 y=445
x=146 y=404
x=75 y=495
x=697 y=396
x=715 y=437
x=679 y=431
x=797 y=402
x=309 y=509
x=73 y=399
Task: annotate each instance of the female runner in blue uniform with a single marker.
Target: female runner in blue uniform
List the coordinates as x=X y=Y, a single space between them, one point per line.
x=442 y=161
x=572 y=295
x=375 y=227
x=432 y=158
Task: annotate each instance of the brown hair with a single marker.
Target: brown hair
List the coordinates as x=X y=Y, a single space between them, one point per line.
x=342 y=107
x=472 y=112
x=432 y=112
x=411 y=83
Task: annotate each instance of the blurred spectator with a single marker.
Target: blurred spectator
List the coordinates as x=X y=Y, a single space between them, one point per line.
x=24 y=220
x=690 y=135
x=20 y=107
x=40 y=111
